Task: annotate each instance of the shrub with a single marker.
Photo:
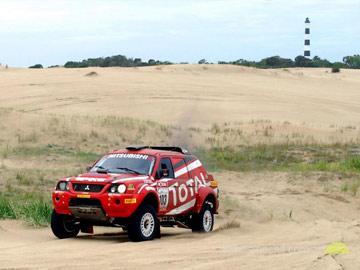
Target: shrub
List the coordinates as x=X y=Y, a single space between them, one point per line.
x=302 y=61
x=277 y=62
x=335 y=70
x=202 y=61
x=36 y=66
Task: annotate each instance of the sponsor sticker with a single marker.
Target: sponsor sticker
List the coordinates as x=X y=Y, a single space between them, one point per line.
x=163 y=196
x=162 y=184
x=137 y=156
x=128 y=201
x=131 y=187
x=89 y=179
x=83 y=196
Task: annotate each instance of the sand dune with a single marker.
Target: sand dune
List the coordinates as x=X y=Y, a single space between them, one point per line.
x=196 y=94
x=267 y=220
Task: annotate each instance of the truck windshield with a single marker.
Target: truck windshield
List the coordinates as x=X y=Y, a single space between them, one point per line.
x=125 y=163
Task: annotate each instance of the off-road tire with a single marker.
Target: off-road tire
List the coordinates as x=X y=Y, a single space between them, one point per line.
x=144 y=224
x=62 y=226
x=204 y=221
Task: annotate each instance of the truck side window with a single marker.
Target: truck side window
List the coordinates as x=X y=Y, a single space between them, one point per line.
x=180 y=170
x=165 y=169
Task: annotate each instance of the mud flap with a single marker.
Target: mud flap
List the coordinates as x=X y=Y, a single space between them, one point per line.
x=158 y=235
x=87 y=229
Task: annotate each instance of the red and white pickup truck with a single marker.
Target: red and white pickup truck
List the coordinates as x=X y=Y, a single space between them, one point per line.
x=139 y=188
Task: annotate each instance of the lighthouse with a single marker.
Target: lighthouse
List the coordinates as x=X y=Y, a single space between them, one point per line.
x=307 y=38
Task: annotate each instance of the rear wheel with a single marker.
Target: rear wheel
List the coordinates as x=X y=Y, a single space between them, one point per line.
x=204 y=221
x=144 y=225
x=63 y=226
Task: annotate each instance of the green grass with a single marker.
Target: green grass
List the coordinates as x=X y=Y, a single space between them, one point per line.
x=246 y=158
x=36 y=212
x=353 y=187
x=282 y=157
x=349 y=165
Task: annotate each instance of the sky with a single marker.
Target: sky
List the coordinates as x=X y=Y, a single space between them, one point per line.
x=54 y=32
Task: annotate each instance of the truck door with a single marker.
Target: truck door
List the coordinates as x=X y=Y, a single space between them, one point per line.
x=182 y=189
x=175 y=189
x=165 y=177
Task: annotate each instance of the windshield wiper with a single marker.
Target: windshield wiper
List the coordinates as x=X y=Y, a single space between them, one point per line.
x=128 y=170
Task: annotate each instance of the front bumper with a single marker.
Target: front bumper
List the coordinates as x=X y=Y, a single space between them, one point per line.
x=91 y=205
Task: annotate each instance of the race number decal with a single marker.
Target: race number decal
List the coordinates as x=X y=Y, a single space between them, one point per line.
x=163 y=196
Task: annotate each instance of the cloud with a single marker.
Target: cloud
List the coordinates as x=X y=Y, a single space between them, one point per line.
x=173 y=29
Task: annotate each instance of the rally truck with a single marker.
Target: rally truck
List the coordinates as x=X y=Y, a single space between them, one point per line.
x=139 y=189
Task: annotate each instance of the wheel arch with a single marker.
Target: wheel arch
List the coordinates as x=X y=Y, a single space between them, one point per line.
x=152 y=199
x=206 y=194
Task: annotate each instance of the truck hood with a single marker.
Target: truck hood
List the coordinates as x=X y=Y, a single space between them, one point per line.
x=107 y=178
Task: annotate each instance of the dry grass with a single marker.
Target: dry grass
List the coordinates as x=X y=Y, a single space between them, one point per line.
x=92 y=74
x=43 y=139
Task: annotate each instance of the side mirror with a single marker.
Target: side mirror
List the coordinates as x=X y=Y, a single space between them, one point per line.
x=88 y=168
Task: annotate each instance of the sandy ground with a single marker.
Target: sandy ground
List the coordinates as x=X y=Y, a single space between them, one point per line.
x=194 y=94
x=266 y=221
x=254 y=230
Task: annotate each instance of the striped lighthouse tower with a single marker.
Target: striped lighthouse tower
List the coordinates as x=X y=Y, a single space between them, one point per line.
x=307 y=38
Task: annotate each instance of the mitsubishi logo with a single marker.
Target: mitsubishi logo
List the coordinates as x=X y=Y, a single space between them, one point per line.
x=87 y=187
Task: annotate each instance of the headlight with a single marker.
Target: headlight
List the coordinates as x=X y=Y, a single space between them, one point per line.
x=121 y=188
x=113 y=189
x=64 y=186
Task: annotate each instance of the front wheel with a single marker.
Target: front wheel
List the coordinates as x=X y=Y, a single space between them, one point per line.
x=204 y=221
x=63 y=226
x=144 y=225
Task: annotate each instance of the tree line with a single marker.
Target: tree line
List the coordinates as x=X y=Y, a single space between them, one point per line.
x=114 y=61
x=300 y=61
x=269 y=62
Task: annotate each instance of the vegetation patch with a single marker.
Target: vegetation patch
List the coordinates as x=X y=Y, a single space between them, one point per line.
x=36 y=212
x=32 y=160
x=92 y=74
x=300 y=61
x=282 y=157
x=36 y=66
x=114 y=61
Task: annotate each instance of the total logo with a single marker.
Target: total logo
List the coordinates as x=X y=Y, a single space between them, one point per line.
x=190 y=187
